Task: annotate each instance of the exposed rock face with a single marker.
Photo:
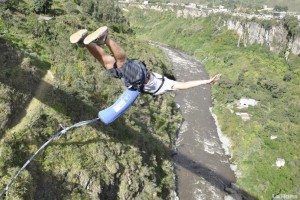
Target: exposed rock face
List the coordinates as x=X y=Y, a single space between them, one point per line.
x=295 y=48
x=275 y=38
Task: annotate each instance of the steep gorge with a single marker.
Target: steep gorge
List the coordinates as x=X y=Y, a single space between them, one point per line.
x=250 y=31
x=250 y=71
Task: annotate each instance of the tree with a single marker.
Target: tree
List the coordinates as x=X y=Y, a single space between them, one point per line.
x=287 y=76
x=106 y=10
x=280 y=8
x=11 y=4
x=41 y=6
x=241 y=77
x=71 y=7
x=292 y=25
x=267 y=24
x=6 y=16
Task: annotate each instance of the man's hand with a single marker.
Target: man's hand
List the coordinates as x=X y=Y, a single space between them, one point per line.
x=214 y=79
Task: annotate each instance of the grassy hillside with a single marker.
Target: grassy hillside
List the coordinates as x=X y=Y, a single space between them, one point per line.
x=250 y=72
x=45 y=82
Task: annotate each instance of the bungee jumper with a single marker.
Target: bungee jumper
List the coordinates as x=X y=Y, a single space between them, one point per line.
x=133 y=73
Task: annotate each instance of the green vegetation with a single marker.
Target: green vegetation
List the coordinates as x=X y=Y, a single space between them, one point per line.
x=280 y=5
x=280 y=8
x=292 y=25
x=126 y=160
x=41 y=6
x=251 y=72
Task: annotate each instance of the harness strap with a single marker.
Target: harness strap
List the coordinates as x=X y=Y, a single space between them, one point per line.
x=162 y=83
x=153 y=93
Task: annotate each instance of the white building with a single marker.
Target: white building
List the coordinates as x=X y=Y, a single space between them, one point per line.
x=245 y=103
x=280 y=162
x=192 y=5
x=265 y=8
x=222 y=9
x=202 y=6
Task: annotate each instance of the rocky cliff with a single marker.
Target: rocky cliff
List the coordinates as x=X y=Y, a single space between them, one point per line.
x=275 y=38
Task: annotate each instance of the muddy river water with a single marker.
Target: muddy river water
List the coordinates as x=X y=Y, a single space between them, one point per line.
x=202 y=167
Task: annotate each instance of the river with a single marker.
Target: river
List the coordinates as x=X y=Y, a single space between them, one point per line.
x=201 y=164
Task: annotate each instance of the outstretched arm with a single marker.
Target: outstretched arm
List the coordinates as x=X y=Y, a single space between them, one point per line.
x=190 y=84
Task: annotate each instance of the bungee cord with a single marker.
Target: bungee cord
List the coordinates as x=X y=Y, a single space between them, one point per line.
x=57 y=135
x=107 y=116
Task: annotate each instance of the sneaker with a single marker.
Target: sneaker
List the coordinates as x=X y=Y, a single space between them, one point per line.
x=99 y=36
x=78 y=37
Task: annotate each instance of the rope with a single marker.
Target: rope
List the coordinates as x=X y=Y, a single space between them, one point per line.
x=57 y=135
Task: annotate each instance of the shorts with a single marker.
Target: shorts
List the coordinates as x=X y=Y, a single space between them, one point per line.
x=155 y=82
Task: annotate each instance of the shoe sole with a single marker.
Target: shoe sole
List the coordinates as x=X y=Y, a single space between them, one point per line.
x=76 y=37
x=95 y=35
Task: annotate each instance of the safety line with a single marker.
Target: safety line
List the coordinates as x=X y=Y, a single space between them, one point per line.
x=57 y=135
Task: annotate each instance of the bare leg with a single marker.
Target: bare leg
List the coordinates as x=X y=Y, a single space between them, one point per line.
x=117 y=52
x=106 y=60
x=100 y=37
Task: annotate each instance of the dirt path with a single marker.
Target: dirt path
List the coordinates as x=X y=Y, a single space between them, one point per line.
x=35 y=105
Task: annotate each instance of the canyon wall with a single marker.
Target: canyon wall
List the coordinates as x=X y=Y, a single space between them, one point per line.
x=275 y=38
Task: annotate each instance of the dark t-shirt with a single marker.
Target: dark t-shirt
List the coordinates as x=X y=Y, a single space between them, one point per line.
x=132 y=73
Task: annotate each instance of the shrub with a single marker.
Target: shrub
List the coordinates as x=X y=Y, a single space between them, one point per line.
x=41 y=6
x=287 y=76
x=292 y=25
x=71 y=7
x=11 y=4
